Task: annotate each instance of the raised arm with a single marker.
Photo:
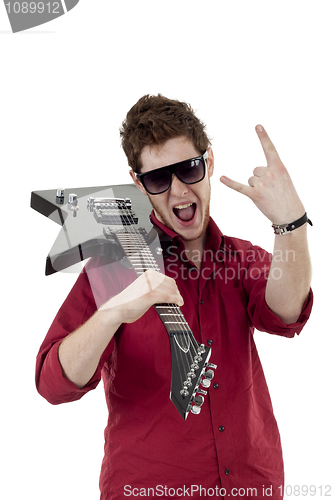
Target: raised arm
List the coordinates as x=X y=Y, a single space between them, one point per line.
x=272 y=191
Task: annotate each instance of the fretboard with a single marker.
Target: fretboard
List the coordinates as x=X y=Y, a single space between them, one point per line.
x=141 y=258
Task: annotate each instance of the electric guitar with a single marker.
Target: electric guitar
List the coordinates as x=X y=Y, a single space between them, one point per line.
x=108 y=226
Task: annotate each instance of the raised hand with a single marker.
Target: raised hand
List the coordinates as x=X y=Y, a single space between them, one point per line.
x=271 y=188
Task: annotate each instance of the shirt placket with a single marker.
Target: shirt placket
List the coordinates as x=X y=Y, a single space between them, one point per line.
x=220 y=422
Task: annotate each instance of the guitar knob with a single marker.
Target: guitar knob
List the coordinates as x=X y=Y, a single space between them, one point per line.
x=72 y=199
x=60 y=196
x=73 y=203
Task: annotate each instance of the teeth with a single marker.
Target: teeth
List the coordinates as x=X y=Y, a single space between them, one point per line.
x=184 y=206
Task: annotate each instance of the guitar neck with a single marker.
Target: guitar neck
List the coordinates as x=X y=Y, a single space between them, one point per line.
x=137 y=250
x=189 y=358
x=141 y=258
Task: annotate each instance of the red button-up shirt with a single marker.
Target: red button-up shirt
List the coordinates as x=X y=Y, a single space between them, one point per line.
x=232 y=448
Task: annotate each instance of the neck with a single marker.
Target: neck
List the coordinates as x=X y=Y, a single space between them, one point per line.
x=194 y=249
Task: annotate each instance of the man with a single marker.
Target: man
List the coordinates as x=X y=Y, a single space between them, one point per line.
x=225 y=286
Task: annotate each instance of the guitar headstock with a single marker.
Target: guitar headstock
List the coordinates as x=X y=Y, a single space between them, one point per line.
x=191 y=372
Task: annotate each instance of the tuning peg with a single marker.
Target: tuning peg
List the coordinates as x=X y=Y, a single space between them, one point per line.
x=199 y=400
x=211 y=365
x=205 y=383
x=209 y=374
x=195 y=409
x=201 y=391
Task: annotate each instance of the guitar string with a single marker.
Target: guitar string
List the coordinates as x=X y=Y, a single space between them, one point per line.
x=149 y=259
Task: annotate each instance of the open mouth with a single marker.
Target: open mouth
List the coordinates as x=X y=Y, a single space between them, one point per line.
x=185 y=212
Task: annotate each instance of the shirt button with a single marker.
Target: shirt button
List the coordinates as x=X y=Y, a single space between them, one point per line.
x=209 y=341
x=216 y=386
x=221 y=428
x=226 y=472
x=201 y=301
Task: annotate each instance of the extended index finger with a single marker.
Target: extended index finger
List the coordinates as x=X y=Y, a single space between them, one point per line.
x=267 y=145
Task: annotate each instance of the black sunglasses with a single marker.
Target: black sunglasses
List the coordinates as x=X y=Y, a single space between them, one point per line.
x=188 y=171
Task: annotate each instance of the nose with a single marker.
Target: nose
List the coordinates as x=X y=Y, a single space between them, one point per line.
x=178 y=188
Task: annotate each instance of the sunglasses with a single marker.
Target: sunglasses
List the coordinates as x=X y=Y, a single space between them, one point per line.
x=188 y=171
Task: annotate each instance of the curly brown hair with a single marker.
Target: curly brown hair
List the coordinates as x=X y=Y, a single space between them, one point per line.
x=155 y=119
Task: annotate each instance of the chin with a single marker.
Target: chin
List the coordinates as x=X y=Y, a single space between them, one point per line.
x=189 y=230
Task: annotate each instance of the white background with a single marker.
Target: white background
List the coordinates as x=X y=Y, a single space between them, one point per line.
x=65 y=89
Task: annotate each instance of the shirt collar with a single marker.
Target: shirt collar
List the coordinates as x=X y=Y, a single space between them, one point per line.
x=215 y=239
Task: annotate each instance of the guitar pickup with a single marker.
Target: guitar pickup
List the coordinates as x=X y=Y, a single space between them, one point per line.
x=112 y=211
x=103 y=203
x=115 y=217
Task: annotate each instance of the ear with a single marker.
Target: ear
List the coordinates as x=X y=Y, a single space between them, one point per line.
x=137 y=182
x=210 y=162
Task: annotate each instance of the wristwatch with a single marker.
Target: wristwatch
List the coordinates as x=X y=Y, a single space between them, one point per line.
x=287 y=228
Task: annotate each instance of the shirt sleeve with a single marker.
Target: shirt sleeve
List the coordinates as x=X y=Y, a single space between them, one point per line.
x=261 y=316
x=51 y=382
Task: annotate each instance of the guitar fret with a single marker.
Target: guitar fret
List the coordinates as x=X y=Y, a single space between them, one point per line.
x=145 y=268
x=131 y=252
x=166 y=306
x=136 y=257
x=140 y=261
x=171 y=314
x=174 y=323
